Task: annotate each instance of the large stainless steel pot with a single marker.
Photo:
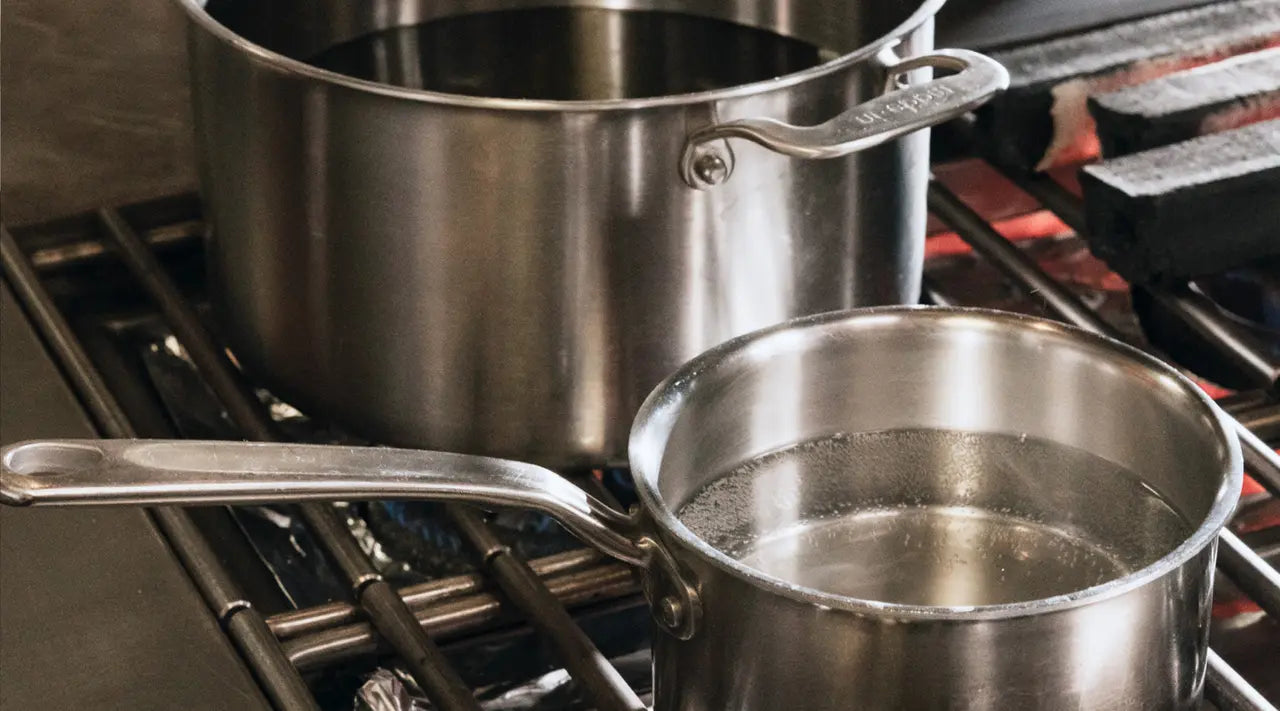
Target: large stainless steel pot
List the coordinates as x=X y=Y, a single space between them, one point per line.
x=510 y=276
x=761 y=639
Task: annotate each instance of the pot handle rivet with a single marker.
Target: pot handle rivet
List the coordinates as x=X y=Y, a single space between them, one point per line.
x=668 y=611
x=710 y=169
x=709 y=165
x=673 y=600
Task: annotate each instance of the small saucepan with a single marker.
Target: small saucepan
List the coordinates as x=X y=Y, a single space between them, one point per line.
x=896 y=508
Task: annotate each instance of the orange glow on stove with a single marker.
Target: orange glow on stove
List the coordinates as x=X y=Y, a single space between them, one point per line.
x=1031 y=226
x=1217 y=392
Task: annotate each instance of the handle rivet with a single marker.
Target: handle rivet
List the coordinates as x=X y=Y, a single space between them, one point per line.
x=669 y=612
x=711 y=169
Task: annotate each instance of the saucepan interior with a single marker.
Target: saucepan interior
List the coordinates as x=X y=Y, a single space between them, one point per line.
x=564 y=49
x=936 y=460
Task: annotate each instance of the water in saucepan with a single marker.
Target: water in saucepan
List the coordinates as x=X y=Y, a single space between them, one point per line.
x=930 y=517
x=571 y=53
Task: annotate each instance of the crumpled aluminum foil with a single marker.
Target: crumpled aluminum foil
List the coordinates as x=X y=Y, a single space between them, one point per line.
x=385 y=692
x=393 y=690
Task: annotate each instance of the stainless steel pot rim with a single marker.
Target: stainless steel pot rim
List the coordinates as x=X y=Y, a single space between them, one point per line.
x=662 y=406
x=195 y=10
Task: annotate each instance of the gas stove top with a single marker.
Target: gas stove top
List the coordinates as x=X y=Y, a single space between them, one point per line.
x=285 y=567
x=320 y=602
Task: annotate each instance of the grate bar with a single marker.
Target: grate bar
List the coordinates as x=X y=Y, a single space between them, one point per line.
x=1246 y=569
x=1253 y=575
x=75 y=363
x=1244 y=351
x=87 y=251
x=522 y=586
x=456 y=616
x=1263 y=421
x=286 y=688
x=1260 y=460
x=397 y=625
x=266 y=658
x=985 y=240
x=313 y=619
x=1227 y=690
x=386 y=610
x=1051 y=194
x=933 y=295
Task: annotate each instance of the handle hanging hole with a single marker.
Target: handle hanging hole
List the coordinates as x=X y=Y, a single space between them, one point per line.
x=45 y=459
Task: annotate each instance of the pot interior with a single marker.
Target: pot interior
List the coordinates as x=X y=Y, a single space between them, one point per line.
x=540 y=49
x=936 y=517
x=935 y=458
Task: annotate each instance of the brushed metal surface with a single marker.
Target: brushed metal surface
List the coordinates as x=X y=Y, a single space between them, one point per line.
x=510 y=277
x=1139 y=641
x=746 y=639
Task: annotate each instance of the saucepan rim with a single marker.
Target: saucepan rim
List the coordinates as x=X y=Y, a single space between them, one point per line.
x=660 y=410
x=195 y=10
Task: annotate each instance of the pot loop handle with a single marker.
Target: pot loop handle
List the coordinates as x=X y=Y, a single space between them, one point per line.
x=897 y=112
x=164 y=472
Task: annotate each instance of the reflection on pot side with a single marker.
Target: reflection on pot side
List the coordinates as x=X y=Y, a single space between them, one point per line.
x=568 y=53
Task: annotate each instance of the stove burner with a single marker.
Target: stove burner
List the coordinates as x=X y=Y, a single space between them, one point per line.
x=421 y=534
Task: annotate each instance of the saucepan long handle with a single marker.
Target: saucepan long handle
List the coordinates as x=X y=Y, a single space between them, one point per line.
x=897 y=112
x=133 y=472
x=71 y=472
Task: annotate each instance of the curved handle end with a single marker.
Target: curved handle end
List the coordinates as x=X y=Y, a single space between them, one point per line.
x=13 y=497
